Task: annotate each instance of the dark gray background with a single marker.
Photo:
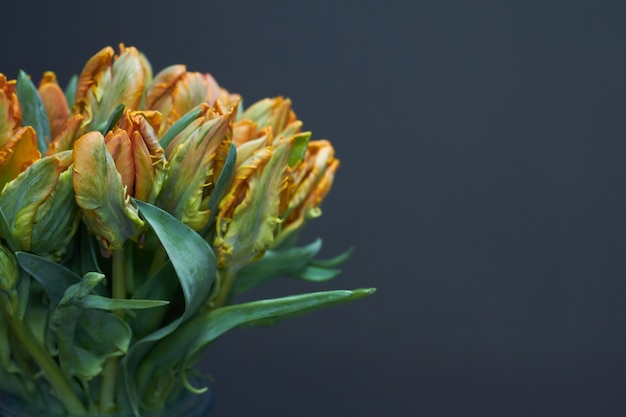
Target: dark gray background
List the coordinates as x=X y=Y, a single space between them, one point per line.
x=482 y=182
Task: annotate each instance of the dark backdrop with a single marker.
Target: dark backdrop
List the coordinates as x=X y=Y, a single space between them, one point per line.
x=482 y=182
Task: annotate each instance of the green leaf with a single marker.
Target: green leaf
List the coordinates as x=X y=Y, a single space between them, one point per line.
x=177 y=350
x=54 y=278
x=33 y=111
x=179 y=126
x=86 y=337
x=70 y=90
x=194 y=263
x=275 y=264
x=333 y=262
x=191 y=256
x=105 y=303
x=316 y=273
x=115 y=116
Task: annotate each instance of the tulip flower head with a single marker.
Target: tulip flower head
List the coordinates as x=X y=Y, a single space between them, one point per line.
x=133 y=210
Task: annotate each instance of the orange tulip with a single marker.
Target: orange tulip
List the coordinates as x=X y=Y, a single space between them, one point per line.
x=108 y=81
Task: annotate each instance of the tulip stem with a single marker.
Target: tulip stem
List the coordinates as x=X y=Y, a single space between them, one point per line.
x=49 y=367
x=109 y=370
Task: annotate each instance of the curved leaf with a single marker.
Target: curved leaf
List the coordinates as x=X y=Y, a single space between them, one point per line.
x=54 y=278
x=275 y=264
x=179 y=349
x=194 y=262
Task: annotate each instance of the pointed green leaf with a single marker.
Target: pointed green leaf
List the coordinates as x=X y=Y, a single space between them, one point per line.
x=70 y=90
x=194 y=262
x=105 y=303
x=176 y=351
x=316 y=273
x=33 y=112
x=54 y=278
x=333 y=262
x=86 y=337
x=275 y=264
x=116 y=115
x=191 y=256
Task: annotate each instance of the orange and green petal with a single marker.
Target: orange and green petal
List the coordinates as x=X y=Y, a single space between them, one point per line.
x=23 y=196
x=18 y=154
x=106 y=82
x=101 y=195
x=191 y=157
x=10 y=110
x=249 y=213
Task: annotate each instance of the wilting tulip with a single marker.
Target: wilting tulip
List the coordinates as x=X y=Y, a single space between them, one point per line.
x=39 y=206
x=18 y=145
x=250 y=212
x=108 y=81
x=175 y=91
x=312 y=179
x=193 y=157
x=101 y=194
x=138 y=156
x=54 y=102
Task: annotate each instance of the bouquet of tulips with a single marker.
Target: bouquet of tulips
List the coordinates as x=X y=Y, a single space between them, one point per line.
x=132 y=209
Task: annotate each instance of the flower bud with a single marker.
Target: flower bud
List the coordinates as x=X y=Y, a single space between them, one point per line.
x=175 y=91
x=137 y=154
x=54 y=102
x=275 y=113
x=311 y=181
x=101 y=194
x=108 y=81
x=249 y=213
x=192 y=157
x=39 y=206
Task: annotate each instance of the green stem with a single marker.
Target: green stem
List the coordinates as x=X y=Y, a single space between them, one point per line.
x=226 y=281
x=49 y=367
x=109 y=369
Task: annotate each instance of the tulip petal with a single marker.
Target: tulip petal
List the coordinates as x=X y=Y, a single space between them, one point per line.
x=64 y=141
x=23 y=196
x=190 y=165
x=10 y=111
x=249 y=214
x=57 y=219
x=103 y=86
x=101 y=195
x=18 y=154
x=54 y=102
